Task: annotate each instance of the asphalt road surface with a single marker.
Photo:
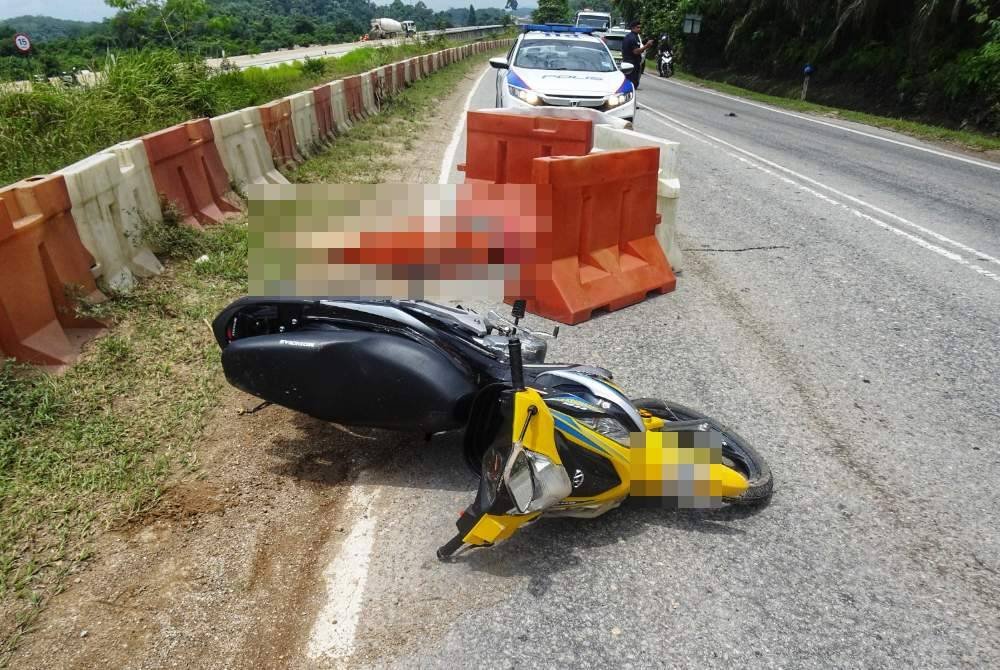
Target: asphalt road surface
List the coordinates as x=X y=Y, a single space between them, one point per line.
x=840 y=307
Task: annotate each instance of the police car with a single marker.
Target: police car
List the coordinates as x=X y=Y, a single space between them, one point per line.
x=563 y=66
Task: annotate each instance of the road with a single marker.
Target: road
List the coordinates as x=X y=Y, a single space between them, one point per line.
x=273 y=58
x=840 y=306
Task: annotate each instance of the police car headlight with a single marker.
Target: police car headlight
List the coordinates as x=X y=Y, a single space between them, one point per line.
x=619 y=99
x=525 y=95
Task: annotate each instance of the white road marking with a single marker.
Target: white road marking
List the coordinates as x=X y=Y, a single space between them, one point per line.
x=943 y=154
x=449 y=153
x=858 y=201
x=334 y=630
x=697 y=134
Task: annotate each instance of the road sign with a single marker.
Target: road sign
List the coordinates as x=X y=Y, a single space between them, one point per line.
x=22 y=42
x=692 y=24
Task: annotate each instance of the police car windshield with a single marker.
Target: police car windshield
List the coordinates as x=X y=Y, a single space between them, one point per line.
x=550 y=54
x=593 y=22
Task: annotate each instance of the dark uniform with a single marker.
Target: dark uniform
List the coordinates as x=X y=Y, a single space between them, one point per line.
x=629 y=44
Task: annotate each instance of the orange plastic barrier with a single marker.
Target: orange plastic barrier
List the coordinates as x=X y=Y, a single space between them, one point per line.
x=322 y=96
x=41 y=258
x=276 y=118
x=604 y=250
x=188 y=171
x=355 y=103
x=500 y=147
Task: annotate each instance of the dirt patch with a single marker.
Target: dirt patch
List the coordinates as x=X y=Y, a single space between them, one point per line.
x=222 y=572
x=420 y=162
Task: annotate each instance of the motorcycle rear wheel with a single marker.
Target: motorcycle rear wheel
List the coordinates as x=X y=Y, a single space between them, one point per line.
x=736 y=451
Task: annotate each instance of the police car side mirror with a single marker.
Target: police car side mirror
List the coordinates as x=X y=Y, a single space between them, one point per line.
x=499 y=63
x=627 y=68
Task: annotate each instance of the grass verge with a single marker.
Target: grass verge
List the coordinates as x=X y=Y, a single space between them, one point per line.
x=370 y=150
x=93 y=448
x=964 y=138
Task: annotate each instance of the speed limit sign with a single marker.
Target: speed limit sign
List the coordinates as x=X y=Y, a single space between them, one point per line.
x=22 y=43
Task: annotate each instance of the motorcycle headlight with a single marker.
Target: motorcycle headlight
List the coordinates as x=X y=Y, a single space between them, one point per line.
x=525 y=95
x=608 y=427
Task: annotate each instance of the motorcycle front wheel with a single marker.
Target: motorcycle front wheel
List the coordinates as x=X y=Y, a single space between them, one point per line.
x=736 y=451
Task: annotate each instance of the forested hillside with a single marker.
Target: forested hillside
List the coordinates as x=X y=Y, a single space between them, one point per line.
x=45 y=28
x=210 y=27
x=934 y=59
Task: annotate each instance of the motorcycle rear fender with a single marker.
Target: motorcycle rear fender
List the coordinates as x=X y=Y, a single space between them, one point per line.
x=353 y=377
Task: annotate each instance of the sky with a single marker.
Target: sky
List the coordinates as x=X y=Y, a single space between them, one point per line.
x=95 y=10
x=77 y=10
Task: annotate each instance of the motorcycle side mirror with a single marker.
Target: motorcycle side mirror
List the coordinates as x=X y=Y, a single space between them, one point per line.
x=627 y=68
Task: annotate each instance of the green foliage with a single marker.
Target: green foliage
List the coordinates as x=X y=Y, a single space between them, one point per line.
x=551 y=11
x=51 y=127
x=210 y=29
x=942 y=58
x=43 y=29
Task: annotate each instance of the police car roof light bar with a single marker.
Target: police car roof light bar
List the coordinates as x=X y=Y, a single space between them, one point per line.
x=557 y=28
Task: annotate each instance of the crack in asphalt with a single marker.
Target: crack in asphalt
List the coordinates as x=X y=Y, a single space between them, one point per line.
x=768 y=248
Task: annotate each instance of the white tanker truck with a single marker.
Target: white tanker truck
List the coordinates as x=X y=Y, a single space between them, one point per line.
x=383 y=28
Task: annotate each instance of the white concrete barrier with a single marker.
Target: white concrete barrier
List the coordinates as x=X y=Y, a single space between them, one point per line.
x=382 y=90
x=243 y=146
x=607 y=138
x=339 y=103
x=113 y=199
x=368 y=95
x=304 y=121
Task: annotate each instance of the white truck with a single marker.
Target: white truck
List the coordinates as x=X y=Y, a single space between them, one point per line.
x=599 y=21
x=383 y=28
x=409 y=27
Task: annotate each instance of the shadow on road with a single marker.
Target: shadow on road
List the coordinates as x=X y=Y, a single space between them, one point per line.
x=325 y=454
x=552 y=546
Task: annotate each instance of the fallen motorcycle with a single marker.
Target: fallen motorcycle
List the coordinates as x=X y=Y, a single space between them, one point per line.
x=545 y=438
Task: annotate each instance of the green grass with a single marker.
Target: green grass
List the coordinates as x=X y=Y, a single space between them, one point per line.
x=51 y=127
x=967 y=139
x=92 y=448
x=367 y=153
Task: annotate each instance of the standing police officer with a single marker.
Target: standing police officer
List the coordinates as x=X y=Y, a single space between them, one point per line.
x=634 y=52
